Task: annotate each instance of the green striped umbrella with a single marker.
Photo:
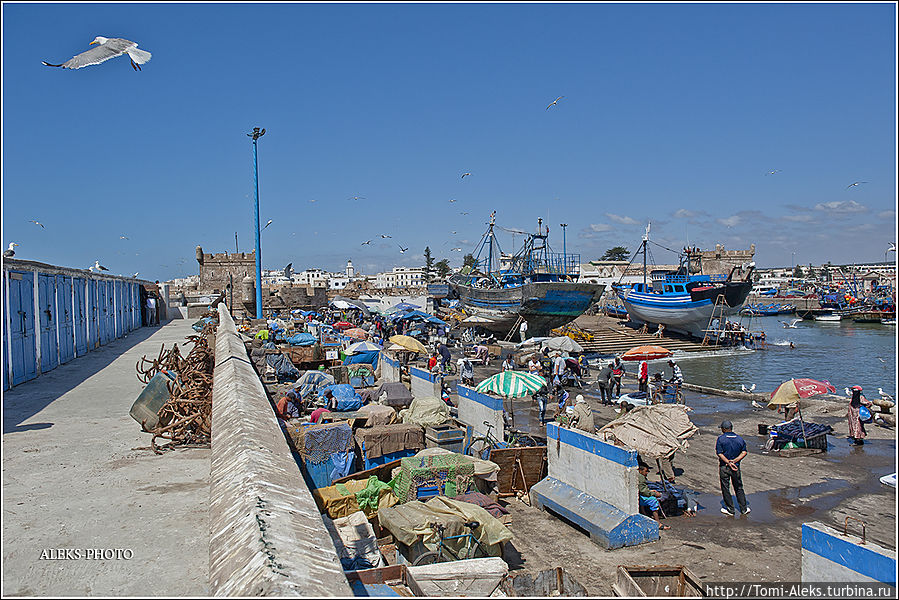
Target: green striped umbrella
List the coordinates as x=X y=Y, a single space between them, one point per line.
x=512 y=384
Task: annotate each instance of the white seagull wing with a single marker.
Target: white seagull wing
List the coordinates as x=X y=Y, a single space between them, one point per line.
x=95 y=56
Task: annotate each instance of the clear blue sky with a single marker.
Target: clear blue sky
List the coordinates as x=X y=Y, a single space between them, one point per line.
x=672 y=113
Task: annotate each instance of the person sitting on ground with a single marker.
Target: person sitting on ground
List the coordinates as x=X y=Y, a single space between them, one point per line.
x=647 y=497
x=582 y=418
x=289 y=406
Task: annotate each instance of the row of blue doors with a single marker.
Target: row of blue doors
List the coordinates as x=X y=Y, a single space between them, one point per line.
x=74 y=315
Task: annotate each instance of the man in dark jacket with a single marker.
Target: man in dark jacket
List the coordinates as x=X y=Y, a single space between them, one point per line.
x=731 y=449
x=604 y=381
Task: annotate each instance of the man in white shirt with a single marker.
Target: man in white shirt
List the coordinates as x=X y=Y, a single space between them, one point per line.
x=151 y=311
x=523 y=330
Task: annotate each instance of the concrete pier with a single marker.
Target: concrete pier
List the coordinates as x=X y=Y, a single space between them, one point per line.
x=73 y=484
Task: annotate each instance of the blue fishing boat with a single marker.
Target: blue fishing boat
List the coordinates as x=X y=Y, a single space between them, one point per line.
x=537 y=285
x=684 y=300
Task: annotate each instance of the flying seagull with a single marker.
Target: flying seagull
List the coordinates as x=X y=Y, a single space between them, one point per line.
x=855 y=184
x=108 y=48
x=267 y=224
x=464 y=174
x=123 y=237
x=10 y=252
x=365 y=243
x=288 y=270
x=136 y=274
x=452 y=200
x=385 y=236
x=463 y=213
x=454 y=233
x=791 y=324
x=773 y=172
x=554 y=102
x=403 y=250
x=37 y=223
x=456 y=250
x=357 y=198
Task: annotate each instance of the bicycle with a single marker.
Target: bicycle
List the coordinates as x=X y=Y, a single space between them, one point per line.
x=669 y=393
x=469 y=550
x=481 y=446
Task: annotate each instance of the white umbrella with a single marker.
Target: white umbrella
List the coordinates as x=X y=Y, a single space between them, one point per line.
x=563 y=344
x=475 y=319
x=362 y=347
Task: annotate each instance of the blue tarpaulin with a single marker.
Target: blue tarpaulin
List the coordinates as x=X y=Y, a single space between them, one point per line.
x=369 y=357
x=346 y=396
x=302 y=339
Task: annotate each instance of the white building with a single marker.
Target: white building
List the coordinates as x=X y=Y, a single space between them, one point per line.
x=401 y=277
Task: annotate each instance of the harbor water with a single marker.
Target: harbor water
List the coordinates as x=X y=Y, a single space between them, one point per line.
x=844 y=353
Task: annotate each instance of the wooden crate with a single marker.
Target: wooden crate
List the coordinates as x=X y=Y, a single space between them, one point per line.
x=638 y=581
x=519 y=468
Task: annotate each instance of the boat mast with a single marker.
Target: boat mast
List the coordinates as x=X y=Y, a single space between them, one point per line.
x=490 y=235
x=645 y=240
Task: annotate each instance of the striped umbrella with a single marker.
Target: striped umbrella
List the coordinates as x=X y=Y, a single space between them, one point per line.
x=512 y=384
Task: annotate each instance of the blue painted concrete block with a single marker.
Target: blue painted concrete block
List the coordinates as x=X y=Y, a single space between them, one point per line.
x=608 y=526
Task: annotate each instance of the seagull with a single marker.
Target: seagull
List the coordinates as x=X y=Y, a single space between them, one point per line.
x=122 y=237
x=748 y=390
x=402 y=250
x=313 y=200
x=855 y=184
x=357 y=198
x=884 y=395
x=267 y=224
x=37 y=223
x=10 y=252
x=848 y=392
x=288 y=270
x=892 y=247
x=456 y=250
x=773 y=172
x=136 y=274
x=756 y=404
x=454 y=233
x=554 y=102
x=365 y=243
x=108 y=48
x=464 y=174
x=384 y=236
x=452 y=200
x=791 y=324
x=463 y=213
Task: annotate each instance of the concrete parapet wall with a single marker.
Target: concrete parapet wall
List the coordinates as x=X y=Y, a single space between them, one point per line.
x=390 y=368
x=828 y=556
x=423 y=384
x=267 y=537
x=475 y=408
x=593 y=466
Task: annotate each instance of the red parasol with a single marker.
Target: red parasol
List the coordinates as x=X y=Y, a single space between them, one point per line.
x=342 y=325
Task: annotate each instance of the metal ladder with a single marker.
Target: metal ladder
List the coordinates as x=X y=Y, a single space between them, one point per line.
x=514 y=328
x=717 y=313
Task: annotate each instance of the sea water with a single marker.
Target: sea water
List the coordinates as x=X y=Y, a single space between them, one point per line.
x=844 y=353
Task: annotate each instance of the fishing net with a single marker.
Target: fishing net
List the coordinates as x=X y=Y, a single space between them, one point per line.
x=316 y=443
x=450 y=474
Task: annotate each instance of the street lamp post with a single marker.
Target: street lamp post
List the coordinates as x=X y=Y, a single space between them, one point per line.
x=257 y=133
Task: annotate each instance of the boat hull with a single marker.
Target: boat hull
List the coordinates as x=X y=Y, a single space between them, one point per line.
x=681 y=313
x=544 y=305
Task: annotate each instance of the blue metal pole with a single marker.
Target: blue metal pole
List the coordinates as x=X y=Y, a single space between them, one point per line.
x=564 y=249
x=258 y=247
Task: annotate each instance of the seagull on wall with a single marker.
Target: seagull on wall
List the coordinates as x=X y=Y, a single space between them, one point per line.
x=554 y=102
x=37 y=223
x=135 y=275
x=748 y=390
x=108 y=48
x=855 y=184
x=97 y=267
x=11 y=251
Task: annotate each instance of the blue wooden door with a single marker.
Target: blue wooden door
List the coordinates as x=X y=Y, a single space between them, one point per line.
x=93 y=314
x=119 y=311
x=46 y=306
x=80 y=316
x=66 y=318
x=126 y=306
x=103 y=335
x=110 y=310
x=135 y=304
x=21 y=326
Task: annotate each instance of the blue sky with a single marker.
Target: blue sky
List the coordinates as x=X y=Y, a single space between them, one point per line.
x=672 y=113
